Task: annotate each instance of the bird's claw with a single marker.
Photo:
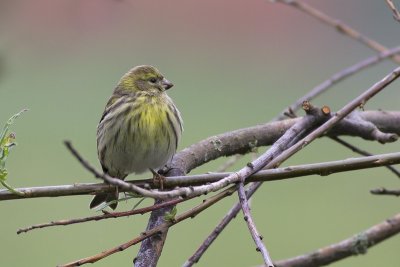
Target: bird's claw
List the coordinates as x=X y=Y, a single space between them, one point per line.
x=158 y=179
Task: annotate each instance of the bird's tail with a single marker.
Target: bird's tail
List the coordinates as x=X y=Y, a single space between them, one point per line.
x=105 y=197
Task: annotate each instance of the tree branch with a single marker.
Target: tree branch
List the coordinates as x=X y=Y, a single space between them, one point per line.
x=347 y=109
x=337 y=77
x=355 y=245
x=338 y=25
x=396 y=14
x=323 y=169
x=106 y=215
x=232 y=213
x=362 y=152
x=387 y=192
x=252 y=227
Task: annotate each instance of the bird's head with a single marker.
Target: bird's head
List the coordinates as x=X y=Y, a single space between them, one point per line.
x=144 y=78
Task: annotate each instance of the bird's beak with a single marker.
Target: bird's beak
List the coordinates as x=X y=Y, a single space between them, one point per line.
x=166 y=84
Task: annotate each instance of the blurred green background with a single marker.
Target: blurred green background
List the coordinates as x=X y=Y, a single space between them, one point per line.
x=234 y=64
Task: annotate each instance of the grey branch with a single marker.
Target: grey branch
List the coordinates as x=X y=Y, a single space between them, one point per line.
x=322 y=169
x=355 y=245
x=338 y=25
x=362 y=152
x=396 y=14
x=387 y=192
x=258 y=239
x=337 y=77
x=106 y=215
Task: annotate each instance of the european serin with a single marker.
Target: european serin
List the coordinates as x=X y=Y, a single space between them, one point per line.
x=140 y=127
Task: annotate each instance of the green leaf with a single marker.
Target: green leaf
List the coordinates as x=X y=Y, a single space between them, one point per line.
x=170 y=216
x=9 y=123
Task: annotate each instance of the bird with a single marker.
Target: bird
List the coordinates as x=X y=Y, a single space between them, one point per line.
x=139 y=129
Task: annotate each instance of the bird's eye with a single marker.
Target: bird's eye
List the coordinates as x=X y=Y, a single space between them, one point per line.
x=153 y=80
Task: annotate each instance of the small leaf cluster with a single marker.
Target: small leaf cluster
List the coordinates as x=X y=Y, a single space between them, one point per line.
x=7 y=142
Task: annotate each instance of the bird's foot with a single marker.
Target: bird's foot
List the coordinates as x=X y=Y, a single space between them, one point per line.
x=158 y=179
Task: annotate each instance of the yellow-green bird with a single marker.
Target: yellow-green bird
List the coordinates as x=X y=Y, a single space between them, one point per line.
x=140 y=127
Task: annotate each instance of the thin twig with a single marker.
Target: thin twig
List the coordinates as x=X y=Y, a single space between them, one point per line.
x=104 y=216
x=384 y=191
x=252 y=227
x=362 y=152
x=396 y=14
x=232 y=213
x=337 y=77
x=353 y=246
x=338 y=25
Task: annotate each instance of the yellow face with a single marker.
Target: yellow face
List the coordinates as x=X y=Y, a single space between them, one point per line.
x=144 y=78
